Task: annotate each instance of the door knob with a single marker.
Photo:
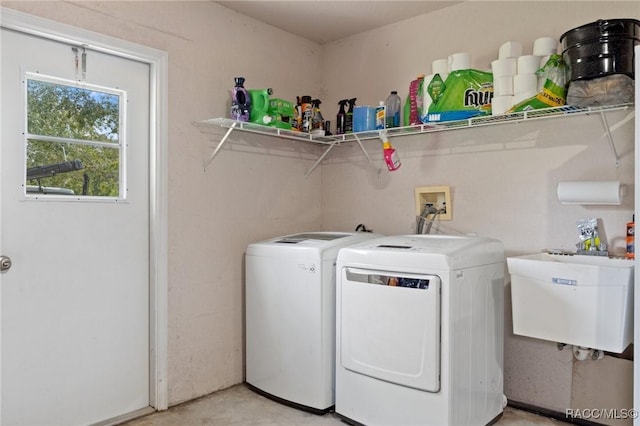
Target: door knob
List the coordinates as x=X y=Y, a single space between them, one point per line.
x=5 y=263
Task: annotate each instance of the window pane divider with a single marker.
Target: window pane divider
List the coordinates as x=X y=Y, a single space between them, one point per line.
x=72 y=140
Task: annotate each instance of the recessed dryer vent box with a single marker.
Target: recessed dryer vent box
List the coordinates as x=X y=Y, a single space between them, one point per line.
x=577 y=300
x=439 y=196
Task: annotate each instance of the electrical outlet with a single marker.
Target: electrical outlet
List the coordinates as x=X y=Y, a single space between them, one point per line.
x=438 y=196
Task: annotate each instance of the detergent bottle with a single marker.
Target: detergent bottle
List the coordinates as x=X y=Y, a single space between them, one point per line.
x=260 y=106
x=390 y=154
x=341 y=118
x=348 y=122
x=240 y=101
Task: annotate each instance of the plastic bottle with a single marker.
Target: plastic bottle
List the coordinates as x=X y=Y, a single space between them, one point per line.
x=380 y=116
x=348 y=122
x=327 y=128
x=341 y=118
x=415 y=100
x=631 y=238
x=390 y=154
x=317 y=122
x=307 y=114
x=392 y=106
x=260 y=105
x=296 y=119
x=240 y=101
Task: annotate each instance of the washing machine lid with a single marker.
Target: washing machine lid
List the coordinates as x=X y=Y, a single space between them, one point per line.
x=415 y=252
x=326 y=243
x=299 y=238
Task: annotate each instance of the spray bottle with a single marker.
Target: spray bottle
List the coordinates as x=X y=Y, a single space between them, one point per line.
x=341 y=118
x=631 y=238
x=348 y=123
x=306 y=114
x=240 y=101
x=317 y=122
x=296 y=120
x=390 y=154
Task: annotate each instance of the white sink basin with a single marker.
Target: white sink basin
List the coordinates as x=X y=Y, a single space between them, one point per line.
x=578 y=300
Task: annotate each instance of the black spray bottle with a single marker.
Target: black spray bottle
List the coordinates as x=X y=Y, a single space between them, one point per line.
x=348 y=123
x=341 y=117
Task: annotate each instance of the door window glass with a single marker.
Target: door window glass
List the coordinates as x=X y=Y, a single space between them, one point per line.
x=74 y=138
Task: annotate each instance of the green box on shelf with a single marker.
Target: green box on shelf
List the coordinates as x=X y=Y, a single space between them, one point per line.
x=280 y=106
x=281 y=112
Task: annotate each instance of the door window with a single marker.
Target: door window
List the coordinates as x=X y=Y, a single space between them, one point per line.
x=74 y=139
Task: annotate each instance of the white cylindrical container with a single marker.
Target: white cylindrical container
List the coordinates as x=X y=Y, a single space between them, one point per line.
x=504 y=67
x=510 y=49
x=528 y=64
x=590 y=192
x=459 y=61
x=440 y=66
x=519 y=97
x=501 y=104
x=544 y=46
x=525 y=83
x=543 y=60
x=503 y=86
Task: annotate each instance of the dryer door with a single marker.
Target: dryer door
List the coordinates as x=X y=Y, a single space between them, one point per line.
x=390 y=326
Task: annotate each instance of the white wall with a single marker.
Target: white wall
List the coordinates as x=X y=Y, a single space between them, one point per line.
x=502 y=179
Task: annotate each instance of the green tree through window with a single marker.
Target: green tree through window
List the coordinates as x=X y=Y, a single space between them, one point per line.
x=73 y=139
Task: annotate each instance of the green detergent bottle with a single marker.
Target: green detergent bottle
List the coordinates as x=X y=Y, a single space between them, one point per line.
x=260 y=106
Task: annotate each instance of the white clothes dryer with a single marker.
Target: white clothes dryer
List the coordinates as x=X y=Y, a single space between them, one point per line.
x=419 y=337
x=290 y=317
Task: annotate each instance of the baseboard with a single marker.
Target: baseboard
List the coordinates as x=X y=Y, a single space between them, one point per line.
x=556 y=415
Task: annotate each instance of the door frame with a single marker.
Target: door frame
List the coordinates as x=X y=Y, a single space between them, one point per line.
x=158 y=181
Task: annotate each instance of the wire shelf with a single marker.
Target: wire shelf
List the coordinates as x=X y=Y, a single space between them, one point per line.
x=546 y=113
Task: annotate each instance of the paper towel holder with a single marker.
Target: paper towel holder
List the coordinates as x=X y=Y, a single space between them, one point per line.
x=591 y=192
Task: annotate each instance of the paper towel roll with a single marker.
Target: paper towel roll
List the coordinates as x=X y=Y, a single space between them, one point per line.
x=501 y=104
x=503 y=86
x=525 y=83
x=545 y=46
x=459 y=61
x=510 y=49
x=590 y=192
x=440 y=66
x=528 y=64
x=519 y=97
x=504 y=67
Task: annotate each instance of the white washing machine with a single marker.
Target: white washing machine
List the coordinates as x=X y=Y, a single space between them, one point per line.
x=290 y=317
x=419 y=337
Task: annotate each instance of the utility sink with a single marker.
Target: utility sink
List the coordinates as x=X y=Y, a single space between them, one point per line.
x=573 y=299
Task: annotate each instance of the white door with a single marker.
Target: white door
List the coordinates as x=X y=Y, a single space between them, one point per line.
x=75 y=302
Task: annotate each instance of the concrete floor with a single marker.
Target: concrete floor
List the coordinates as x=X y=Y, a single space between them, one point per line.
x=240 y=406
